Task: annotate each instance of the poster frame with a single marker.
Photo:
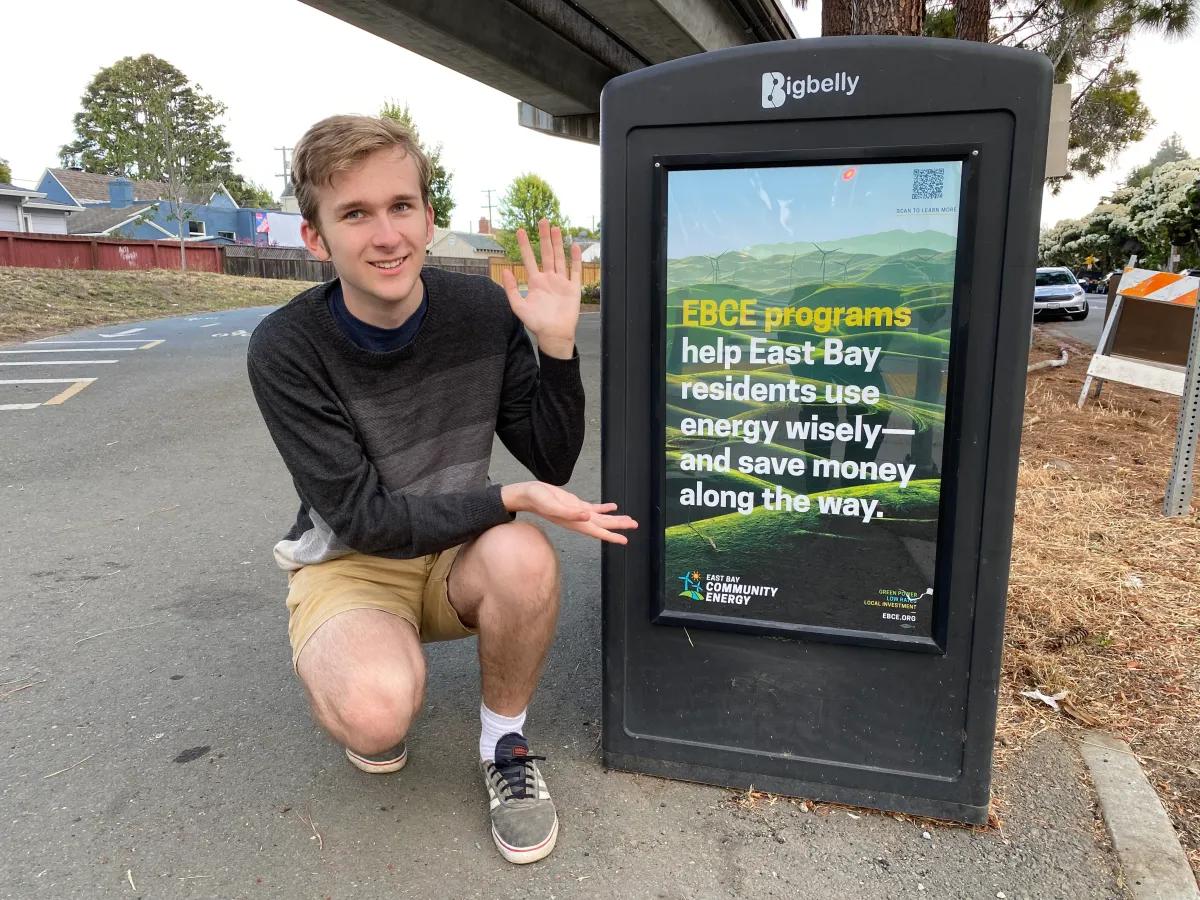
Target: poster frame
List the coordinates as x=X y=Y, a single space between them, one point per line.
x=960 y=152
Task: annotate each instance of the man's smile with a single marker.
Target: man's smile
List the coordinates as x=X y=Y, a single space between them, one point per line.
x=389 y=263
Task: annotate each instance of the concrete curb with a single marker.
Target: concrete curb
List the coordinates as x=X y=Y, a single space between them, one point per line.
x=1154 y=864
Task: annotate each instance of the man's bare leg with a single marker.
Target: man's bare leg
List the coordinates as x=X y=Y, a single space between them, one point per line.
x=505 y=582
x=365 y=676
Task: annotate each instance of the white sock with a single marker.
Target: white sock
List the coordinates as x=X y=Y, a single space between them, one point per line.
x=496 y=726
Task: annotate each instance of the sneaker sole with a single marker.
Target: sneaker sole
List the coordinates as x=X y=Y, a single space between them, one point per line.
x=523 y=855
x=377 y=768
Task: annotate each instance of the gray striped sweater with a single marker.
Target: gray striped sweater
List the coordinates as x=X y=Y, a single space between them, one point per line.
x=389 y=451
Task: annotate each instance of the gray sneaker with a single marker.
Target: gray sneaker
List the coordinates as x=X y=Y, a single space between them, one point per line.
x=524 y=821
x=389 y=761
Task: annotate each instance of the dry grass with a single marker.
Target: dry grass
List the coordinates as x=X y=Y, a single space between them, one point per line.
x=39 y=302
x=1104 y=596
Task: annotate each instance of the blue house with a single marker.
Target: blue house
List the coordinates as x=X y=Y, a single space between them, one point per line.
x=138 y=210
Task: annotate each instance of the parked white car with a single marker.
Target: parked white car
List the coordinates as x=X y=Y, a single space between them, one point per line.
x=1056 y=290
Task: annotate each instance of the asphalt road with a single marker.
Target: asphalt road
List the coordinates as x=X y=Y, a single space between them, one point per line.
x=154 y=742
x=1086 y=332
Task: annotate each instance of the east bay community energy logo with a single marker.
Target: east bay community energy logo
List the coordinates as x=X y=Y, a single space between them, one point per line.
x=708 y=588
x=777 y=87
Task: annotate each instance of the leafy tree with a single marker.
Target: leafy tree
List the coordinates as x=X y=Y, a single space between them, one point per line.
x=5 y=172
x=439 y=177
x=1164 y=212
x=1110 y=236
x=1170 y=150
x=1105 y=233
x=1105 y=118
x=528 y=200
x=1084 y=39
x=141 y=118
x=248 y=193
x=1054 y=245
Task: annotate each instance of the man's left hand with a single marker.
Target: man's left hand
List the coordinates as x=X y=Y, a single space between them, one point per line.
x=550 y=308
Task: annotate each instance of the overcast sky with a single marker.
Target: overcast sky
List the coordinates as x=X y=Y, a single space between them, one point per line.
x=279 y=66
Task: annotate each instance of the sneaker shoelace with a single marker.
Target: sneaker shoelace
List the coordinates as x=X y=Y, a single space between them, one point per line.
x=517 y=776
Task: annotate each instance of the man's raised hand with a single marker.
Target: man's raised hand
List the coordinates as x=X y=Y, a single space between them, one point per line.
x=567 y=511
x=550 y=308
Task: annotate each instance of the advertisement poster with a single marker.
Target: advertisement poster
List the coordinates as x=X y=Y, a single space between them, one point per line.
x=807 y=345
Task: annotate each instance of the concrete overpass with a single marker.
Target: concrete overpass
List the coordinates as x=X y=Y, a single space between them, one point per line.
x=555 y=56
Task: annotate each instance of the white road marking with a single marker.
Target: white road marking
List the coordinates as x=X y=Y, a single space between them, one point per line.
x=85 y=341
x=211 y=325
x=76 y=385
x=42 y=380
x=62 y=362
x=122 y=333
x=76 y=350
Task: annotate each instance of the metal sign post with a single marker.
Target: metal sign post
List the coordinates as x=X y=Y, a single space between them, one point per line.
x=1179 y=484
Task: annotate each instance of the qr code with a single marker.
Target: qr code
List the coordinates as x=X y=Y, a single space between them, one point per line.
x=928 y=184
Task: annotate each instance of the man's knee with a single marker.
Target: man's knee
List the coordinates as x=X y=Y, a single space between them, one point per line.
x=519 y=554
x=374 y=713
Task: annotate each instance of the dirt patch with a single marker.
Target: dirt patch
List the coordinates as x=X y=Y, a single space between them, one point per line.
x=1104 y=593
x=40 y=302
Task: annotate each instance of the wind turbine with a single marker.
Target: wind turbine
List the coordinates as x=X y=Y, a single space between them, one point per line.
x=921 y=258
x=715 y=262
x=824 y=253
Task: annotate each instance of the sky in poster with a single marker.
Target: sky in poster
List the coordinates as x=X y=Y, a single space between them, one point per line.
x=711 y=211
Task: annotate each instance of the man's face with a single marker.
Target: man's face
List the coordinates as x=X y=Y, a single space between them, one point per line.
x=374 y=228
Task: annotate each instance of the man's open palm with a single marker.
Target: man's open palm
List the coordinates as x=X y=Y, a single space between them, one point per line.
x=550 y=307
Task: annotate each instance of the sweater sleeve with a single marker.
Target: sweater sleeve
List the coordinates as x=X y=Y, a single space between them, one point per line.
x=541 y=409
x=320 y=447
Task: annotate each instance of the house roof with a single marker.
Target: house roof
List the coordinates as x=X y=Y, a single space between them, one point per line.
x=484 y=242
x=7 y=188
x=36 y=203
x=99 y=220
x=480 y=243
x=90 y=187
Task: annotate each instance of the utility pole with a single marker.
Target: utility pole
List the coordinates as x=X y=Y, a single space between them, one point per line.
x=489 y=193
x=286 y=174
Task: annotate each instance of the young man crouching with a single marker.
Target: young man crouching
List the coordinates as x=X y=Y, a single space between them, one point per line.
x=383 y=390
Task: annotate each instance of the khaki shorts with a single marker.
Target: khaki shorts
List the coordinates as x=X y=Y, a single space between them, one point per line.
x=414 y=589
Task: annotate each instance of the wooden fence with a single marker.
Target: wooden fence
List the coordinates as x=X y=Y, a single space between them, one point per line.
x=591 y=271
x=63 y=251
x=276 y=262
x=296 y=264
x=59 y=251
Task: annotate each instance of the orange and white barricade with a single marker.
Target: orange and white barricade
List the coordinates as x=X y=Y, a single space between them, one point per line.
x=1182 y=381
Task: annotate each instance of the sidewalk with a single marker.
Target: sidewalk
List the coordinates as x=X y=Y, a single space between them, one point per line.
x=173 y=755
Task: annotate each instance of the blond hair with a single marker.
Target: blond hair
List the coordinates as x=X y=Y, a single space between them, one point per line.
x=335 y=144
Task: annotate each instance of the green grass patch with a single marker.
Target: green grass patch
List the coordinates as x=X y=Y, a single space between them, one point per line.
x=37 y=303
